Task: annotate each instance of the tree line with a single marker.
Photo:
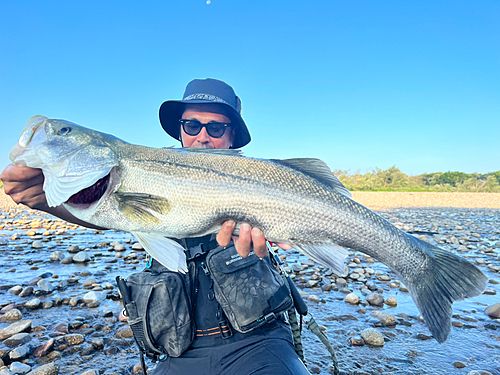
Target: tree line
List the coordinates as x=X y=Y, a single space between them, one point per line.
x=393 y=179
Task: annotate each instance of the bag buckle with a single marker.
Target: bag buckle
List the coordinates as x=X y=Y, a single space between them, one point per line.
x=266 y=319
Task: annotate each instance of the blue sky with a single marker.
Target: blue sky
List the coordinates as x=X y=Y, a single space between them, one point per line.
x=359 y=84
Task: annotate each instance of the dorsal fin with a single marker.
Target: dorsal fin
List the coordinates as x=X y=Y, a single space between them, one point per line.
x=217 y=151
x=318 y=170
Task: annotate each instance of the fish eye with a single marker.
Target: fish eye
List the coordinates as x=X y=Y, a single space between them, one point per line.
x=64 y=131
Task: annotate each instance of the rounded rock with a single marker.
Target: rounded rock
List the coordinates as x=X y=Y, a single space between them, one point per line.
x=57 y=256
x=74 y=338
x=17 y=339
x=81 y=257
x=375 y=299
x=45 y=285
x=48 y=369
x=15 y=328
x=372 y=337
x=94 y=298
x=386 y=318
x=19 y=368
x=33 y=303
x=493 y=311
x=36 y=245
x=11 y=316
x=352 y=298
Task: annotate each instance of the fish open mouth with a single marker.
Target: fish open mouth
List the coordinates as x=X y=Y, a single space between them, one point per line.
x=92 y=193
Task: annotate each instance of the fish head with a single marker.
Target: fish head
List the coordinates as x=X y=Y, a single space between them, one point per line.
x=73 y=158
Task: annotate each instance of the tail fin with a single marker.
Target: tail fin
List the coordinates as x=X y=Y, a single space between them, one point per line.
x=451 y=279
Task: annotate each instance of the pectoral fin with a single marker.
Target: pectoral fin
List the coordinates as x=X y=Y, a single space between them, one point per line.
x=138 y=207
x=329 y=255
x=164 y=250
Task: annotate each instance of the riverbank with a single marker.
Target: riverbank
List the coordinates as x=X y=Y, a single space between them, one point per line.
x=379 y=200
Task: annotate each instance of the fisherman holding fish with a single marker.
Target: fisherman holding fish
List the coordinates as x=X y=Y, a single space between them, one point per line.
x=232 y=334
x=206 y=304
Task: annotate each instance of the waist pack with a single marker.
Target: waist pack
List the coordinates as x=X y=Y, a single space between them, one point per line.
x=158 y=304
x=250 y=290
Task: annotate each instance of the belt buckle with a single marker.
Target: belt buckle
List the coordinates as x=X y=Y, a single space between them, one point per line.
x=225 y=335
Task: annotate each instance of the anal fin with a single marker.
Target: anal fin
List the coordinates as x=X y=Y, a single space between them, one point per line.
x=327 y=254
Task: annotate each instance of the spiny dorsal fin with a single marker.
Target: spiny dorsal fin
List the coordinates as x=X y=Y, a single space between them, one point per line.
x=318 y=170
x=216 y=151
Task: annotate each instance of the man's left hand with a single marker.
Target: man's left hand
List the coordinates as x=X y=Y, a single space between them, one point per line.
x=249 y=236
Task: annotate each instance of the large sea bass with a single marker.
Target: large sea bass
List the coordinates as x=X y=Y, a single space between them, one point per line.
x=157 y=193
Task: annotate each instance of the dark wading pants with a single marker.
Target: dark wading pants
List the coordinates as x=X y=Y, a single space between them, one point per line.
x=267 y=350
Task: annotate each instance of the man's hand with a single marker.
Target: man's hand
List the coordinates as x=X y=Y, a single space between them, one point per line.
x=248 y=236
x=25 y=185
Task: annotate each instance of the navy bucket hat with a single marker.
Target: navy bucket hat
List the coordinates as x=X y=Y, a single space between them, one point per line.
x=206 y=91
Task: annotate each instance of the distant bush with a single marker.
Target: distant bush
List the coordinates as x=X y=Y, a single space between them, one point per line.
x=393 y=179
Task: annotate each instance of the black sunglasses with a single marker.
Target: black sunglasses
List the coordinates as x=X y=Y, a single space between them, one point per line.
x=214 y=129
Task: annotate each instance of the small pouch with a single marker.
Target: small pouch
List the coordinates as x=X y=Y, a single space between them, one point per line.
x=157 y=303
x=250 y=290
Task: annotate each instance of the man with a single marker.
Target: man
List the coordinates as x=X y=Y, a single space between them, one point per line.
x=208 y=116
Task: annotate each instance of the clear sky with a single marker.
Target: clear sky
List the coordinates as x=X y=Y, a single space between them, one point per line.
x=359 y=84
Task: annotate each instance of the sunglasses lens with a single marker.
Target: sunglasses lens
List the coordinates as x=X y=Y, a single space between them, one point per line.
x=215 y=130
x=192 y=127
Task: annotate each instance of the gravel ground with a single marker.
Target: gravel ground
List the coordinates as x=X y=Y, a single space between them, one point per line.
x=383 y=200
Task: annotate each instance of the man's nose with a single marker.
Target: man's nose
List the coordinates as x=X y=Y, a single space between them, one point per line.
x=203 y=137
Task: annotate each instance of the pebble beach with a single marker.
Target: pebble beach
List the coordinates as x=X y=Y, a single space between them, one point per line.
x=60 y=307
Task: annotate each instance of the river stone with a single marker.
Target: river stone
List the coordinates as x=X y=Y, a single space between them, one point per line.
x=375 y=299
x=94 y=298
x=5 y=371
x=45 y=286
x=314 y=298
x=20 y=352
x=28 y=291
x=493 y=311
x=48 y=369
x=33 y=303
x=137 y=246
x=372 y=337
x=19 y=368
x=36 y=245
x=312 y=283
x=391 y=301
x=89 y=283
x=74 y=249
x=57 y=256
x=17 y=339
x=67 y=260
x=386 y=318
x=11 y=316
x=90 y=372
x=14 y=328
x=15 y=290
x=124 y=333
x=119 y=247
x=81 y=257
x=74 y=338
x=352 y=298
x=43 y=349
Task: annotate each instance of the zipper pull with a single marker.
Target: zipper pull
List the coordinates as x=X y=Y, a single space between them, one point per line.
x=205 y=268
